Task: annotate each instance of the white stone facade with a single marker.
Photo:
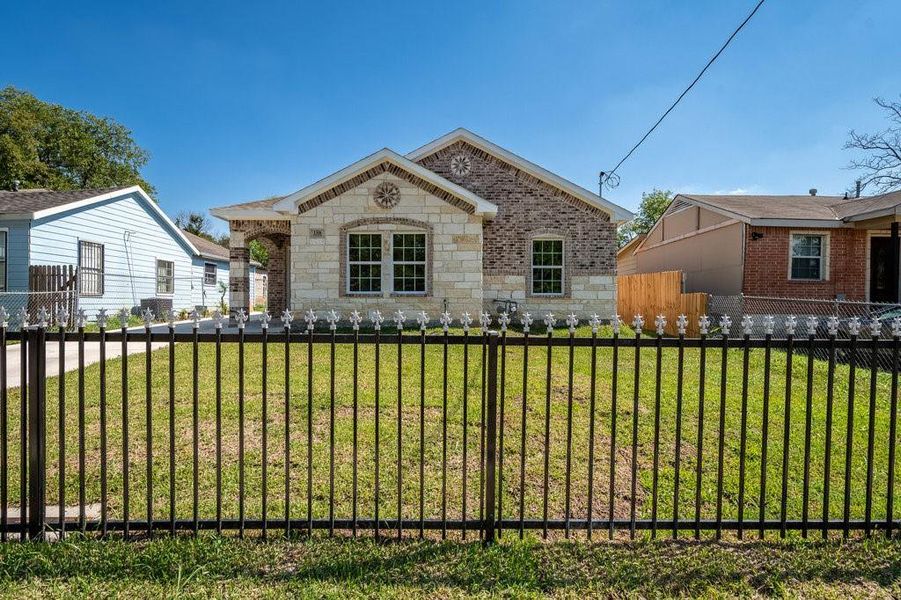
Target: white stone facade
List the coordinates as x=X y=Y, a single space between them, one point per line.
x=590 y=294
x=453 y=265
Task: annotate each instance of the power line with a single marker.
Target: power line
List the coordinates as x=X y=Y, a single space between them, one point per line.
x=608 y=175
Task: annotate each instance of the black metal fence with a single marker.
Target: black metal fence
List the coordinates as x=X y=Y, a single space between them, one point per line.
x=605 y=431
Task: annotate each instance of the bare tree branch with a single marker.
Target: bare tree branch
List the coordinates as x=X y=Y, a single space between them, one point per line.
x=881 y=163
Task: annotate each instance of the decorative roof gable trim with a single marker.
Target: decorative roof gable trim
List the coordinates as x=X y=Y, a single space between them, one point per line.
x=616 y=212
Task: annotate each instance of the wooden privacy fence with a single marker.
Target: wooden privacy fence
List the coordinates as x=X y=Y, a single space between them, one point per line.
x=52 y=287
x=652 y=294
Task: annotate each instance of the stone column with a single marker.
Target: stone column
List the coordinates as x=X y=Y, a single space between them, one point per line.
x=238 y=276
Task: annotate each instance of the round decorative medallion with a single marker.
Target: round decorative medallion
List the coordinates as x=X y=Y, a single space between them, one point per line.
x=386 y=195
x=460 y=165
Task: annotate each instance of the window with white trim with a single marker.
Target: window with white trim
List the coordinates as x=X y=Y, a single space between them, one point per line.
x=364 y=263
x=408 y=256
x=3 y=235
x=547 y=267
x=808 y=256
x=209 y=273
x=165 y=277
x=90 y=268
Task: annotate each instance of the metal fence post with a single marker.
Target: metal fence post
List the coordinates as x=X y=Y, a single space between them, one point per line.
x=37 y=431
x=491 y=439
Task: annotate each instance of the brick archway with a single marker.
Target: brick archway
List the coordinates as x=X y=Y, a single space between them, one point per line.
x=275 y=236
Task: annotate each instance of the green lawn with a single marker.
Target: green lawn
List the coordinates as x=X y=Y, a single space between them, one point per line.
x=228 y=567
x=535 y=415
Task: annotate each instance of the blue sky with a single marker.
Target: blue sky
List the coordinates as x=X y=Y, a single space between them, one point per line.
x=236 y=102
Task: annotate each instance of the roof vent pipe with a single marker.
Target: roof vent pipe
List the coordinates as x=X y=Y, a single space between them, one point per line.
x=16 y=183
x=813 y=191
x=857 y=194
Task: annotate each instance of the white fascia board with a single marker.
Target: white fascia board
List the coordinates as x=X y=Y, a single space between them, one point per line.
x=231 y=214
x=617 y=213
x=135 y=189
x=291 y=202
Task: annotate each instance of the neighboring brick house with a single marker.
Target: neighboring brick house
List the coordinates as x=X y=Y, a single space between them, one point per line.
x=819 y=247
x=459 y=224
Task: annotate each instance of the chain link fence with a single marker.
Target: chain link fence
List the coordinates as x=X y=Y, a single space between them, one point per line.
x=32 y=302
x=759 y=307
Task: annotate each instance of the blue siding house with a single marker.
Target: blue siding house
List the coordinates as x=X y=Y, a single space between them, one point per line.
x=122 y=246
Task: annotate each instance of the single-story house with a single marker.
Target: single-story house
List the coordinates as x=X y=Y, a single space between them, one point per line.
x=122 y=248
x=626 y=263
x=817 y=247
x=459 y=224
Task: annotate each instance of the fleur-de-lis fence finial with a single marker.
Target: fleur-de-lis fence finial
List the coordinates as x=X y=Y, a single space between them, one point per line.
x=638 y=324
x=332 y=318
x=594 y=321
x=790 y=324
x=526 y=320
x=725 y=325
x=854 y=326
x=217 y=318
x=484 y=321
x=747 y=325
x=377 y=320
x=572 y=321
x=615 y=323
x=311 y=318
x=503 y=320
x=399 y=319
x=445 y=320
x=355 y=320
x=81 y=318
x=240 y=318
x=423 y=320
x=466 y=321
x=896 y=327
x=287 y=317
x=62 y=317
x=265 y=318
x=769 y=324
x=170 y=318
x=43 y=317
x=102 y=318
x=704 y=324
x=4 y=317
x=124 y=315
x=682 y=324
x=832 y=325
x=549 y=321
x=875 y=327
x=812 y=324
x=22 y=317
x=147 y=315
x=660 y=323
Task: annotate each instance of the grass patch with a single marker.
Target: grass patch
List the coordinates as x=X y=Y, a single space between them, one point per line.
x=227 y=567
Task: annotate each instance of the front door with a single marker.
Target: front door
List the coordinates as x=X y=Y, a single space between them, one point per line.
x=880 y=270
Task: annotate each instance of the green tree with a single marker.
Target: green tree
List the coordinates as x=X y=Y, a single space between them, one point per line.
x=196 y=223
x=879 y=154
x=653 y=204
x=44 y=145
x=259 y=253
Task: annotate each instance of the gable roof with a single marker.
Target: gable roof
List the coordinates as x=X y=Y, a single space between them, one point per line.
x=291 y=202
x=872 y=207
x=40 y=204
x=207 y=248
x=631 y=245
x=617 y=213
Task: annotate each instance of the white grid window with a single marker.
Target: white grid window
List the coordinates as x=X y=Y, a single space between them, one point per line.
x=547 y=267
x=808 y=256
x=364 y=263
x=90 y=268
x=408 y=256
x=165 y=277
x=209 y=273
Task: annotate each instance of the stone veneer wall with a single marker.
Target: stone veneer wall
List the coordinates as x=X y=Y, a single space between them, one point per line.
x=528 y=207
x=454 y=267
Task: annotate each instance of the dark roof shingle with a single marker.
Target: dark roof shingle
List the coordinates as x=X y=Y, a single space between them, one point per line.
x=34 y=200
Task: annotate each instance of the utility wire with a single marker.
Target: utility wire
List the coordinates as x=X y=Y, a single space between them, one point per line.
x=686 y=90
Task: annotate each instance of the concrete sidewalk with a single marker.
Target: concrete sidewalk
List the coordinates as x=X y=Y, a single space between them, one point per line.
x=91 y=356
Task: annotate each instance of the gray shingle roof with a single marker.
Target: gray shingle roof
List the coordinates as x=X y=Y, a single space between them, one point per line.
x=206 y=247
x=34 y=200
x=774 y=207
x=264 y=203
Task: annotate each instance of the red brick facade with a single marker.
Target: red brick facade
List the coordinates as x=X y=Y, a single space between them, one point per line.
x=525 y=206
x=766 y=268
